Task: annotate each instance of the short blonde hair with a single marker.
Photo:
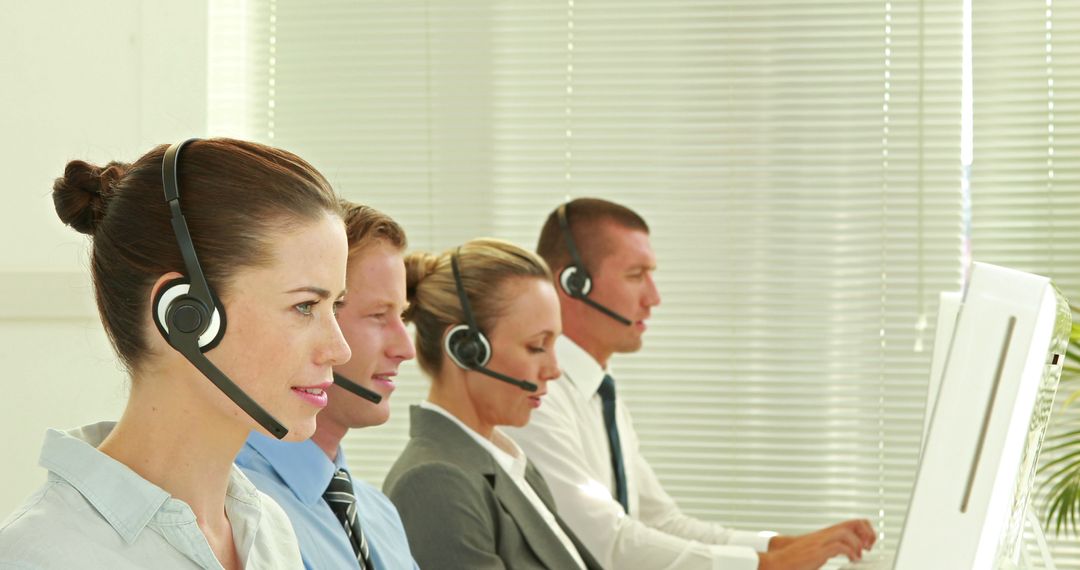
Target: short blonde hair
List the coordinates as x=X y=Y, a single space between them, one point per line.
x=366 y=226
x=485 y=265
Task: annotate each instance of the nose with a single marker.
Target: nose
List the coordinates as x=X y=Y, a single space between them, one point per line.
x=401 y=346
x=652 y=293
x=549 y=370
x=334 y=350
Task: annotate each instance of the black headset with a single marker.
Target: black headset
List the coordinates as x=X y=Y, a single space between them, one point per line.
x=189 y=314
x=467 y=345
x=574 y=278
x=369 y=395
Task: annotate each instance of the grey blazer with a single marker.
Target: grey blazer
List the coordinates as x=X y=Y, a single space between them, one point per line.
x=460 y=510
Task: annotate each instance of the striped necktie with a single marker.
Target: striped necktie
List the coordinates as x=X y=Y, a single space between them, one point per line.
x=339 y=495
x=607 y=398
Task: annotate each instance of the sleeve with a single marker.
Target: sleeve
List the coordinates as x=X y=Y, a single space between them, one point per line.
x=616 y=540
x=448 y=518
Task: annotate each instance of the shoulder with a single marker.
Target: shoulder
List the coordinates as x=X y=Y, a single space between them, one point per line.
x=434 y=457
x=272 y=512
x=27 y=523
x=55 y=514
x=439 y=485
x=270 y=488
x=276 y=538
x=372 y=499
x=438 y=494
x=423 y=476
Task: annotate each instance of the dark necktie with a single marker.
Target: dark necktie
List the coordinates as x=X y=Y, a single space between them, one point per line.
x=339 y=495
x=607 y=397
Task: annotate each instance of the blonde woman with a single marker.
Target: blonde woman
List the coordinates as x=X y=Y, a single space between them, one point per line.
x=486 y=317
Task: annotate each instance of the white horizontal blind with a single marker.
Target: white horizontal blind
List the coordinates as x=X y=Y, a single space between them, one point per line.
x=780 y=386
x=389 y=100
x=1025 y=184
x=798 y=164
x=231 y=102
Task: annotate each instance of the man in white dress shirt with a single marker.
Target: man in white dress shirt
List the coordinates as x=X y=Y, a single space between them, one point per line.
x=603 y=263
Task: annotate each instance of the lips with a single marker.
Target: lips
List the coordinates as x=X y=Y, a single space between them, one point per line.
x=314 y=394
x=384 y=380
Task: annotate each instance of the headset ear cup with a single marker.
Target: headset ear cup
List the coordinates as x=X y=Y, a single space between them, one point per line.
x=468 y=349
x=575 y=281
x=173 y=303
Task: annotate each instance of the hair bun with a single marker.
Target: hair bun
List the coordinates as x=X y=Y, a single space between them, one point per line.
x=418 y=265
x=80 y=194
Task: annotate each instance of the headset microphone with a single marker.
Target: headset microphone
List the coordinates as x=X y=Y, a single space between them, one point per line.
x=188 y=313
x=523 y=384
x=369 y=395
x=575 y=279
x=467 y=345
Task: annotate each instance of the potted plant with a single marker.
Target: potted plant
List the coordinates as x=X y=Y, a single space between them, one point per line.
x=1062 y=474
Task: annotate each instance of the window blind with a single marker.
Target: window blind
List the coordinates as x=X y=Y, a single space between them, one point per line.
x=798 y=163
x=1025 y=195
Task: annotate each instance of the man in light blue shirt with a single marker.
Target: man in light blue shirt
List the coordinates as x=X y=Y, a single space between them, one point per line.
x=297 y=475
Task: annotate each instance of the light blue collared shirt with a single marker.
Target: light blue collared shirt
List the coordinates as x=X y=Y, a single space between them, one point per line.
x=296 y=475
x=95 y=512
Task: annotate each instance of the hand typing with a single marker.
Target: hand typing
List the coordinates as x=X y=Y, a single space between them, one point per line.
x=813 y=550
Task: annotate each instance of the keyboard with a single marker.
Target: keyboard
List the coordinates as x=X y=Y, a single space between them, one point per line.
x=872 y=561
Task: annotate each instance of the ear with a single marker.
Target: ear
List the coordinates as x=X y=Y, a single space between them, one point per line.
x=161 y=281
x=151 y=322
x=556 y=275
x=446 y=331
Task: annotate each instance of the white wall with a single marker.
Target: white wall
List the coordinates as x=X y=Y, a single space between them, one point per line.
x=97 y=80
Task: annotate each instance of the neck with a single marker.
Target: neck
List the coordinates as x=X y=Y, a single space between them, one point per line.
x=170 y=438
x=449 y=393
x=328 y=435
x=590 y=344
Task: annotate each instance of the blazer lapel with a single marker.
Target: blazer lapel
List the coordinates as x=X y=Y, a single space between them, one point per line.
x=536 y=532
x=532 y=476
x=544 y=543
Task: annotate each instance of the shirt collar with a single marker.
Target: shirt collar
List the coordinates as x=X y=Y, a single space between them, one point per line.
x=505 y=452
x=303 y=466
x=579 y=367
x=123 y=498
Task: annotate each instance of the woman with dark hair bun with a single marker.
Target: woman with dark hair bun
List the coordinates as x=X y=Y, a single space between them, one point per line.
x=218 y=290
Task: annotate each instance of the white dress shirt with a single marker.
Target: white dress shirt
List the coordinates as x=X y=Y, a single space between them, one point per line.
x=512 y=460
x=95 y=512
x=567 y=441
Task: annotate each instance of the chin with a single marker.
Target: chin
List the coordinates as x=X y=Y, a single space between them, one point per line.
x=378 y=416
x=299 y=430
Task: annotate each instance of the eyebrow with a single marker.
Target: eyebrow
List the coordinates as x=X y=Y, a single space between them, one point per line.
x=322 y=293
x=381 y=305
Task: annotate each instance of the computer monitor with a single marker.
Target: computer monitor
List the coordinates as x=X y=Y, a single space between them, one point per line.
x=995 y=389
x=948 y=307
